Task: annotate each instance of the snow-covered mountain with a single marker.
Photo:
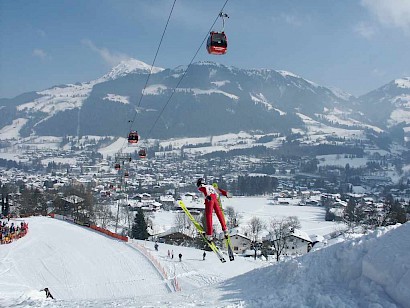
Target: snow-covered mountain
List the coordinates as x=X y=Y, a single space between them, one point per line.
x=211 y=99
x=389 y=104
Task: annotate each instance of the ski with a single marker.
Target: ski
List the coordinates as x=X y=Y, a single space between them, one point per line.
x=201 y=231
x=229 y=246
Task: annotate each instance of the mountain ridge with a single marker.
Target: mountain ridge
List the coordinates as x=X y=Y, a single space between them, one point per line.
x=211 y=96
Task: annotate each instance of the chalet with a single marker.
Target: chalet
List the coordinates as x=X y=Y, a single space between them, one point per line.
x=173 y=237
x=297 y=243
x=240 y=243
x=191 y=196
x=167 y=201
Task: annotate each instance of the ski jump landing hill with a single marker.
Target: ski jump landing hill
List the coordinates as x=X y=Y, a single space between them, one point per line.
x=75 y=263
x=83 y=268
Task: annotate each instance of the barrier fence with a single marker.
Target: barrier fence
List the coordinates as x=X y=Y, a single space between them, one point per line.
x=109 y=233
x=157 y=265
x=94 y=227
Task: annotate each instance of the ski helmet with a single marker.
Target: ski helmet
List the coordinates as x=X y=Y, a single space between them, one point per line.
x=200 y=182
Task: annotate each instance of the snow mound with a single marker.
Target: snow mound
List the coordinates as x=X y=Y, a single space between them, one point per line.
x=370 y=271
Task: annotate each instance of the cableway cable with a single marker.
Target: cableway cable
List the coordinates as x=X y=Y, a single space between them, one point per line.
x=150 y=73
x=185 y=72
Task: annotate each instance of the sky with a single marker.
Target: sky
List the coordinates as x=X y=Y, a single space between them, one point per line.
x=353 y=45
x=83 y=268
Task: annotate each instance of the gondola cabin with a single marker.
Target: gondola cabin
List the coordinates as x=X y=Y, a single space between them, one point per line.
x=126 y=174
x=117 y=166
x=142 y=153
x=217 y=43
x=133 y=137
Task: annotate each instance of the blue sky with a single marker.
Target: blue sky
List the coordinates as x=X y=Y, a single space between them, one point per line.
x=354 y=45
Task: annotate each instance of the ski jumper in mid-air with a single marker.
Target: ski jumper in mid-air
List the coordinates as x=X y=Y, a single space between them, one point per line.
x=211 y=204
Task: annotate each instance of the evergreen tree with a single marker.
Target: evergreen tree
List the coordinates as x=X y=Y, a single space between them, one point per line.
x=139 y=227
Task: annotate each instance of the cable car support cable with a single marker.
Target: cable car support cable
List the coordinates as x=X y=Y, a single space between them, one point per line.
x=189 y=65
x=149 y=75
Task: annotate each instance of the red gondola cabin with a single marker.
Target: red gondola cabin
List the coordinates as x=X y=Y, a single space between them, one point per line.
x=133 y=137
x=117 y=167
x=142 y=153
x=217 y=43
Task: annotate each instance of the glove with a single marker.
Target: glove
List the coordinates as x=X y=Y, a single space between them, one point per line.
x=208 y=198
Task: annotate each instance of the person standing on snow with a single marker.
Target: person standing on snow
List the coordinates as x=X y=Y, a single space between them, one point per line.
x=211 y=204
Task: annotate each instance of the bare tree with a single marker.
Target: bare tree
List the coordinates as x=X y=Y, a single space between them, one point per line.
x=255 y=227
x=181 y=221
x=233 y=217
x=294 y=222
x=104 y=215
x=280 y=231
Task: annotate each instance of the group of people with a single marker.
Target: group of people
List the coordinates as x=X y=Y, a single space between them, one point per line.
x=10 y=231
x=171 y=254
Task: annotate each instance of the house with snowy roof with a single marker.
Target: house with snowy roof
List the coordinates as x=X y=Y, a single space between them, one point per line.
x=173 y=236
x=240 y=243
x=298 y=242
x=168 y=201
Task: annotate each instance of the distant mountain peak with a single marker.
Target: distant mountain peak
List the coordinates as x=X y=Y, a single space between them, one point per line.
x=130 y=66
x=403 y=82
x=288 y=74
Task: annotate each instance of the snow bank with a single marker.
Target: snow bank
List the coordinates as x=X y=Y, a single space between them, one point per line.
x=372 y=271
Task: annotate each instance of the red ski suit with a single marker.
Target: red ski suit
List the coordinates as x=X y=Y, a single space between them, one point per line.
x=211 y=203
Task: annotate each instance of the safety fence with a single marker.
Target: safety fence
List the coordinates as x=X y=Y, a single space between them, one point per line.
x=7 y=236
x=94 y=227
x=109 y=233
x=157 y=265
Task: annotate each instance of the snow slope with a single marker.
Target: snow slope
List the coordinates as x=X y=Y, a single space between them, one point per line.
x=75 y=263
x=85 y=269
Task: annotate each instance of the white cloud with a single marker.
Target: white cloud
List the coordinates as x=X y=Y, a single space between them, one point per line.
x=112 y=59
x=366 y=30
x=40 y=53
x=394 y=13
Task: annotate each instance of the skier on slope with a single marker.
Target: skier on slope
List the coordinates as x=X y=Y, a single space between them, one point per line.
x=211 y=204
x=48 y=293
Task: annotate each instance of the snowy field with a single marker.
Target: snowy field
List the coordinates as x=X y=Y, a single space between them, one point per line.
x=85 y=269
x=312 y=218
